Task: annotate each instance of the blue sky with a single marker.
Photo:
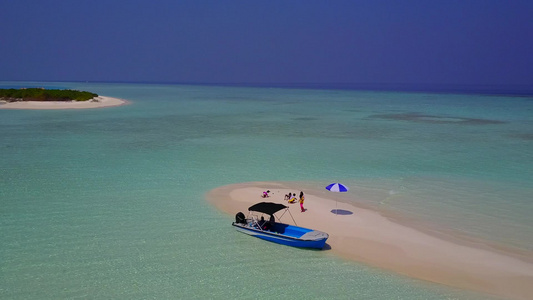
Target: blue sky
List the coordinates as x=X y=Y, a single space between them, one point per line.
x=291 y=41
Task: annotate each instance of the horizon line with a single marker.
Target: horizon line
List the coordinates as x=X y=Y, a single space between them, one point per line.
x=459 y=88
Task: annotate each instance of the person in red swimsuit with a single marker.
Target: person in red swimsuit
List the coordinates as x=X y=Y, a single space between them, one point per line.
x=302 y=198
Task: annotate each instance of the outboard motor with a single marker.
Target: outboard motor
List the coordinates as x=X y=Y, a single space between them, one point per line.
x=240 y=218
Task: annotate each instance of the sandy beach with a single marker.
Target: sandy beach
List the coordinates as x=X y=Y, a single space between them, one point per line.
x=97 y=102
x=366 y=236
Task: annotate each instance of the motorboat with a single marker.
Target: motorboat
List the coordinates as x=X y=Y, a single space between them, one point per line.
x=274 y=231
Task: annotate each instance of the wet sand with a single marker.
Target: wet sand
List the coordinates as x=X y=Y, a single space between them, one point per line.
x=366 y=236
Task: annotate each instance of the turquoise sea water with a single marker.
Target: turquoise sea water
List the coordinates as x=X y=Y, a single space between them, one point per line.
x=110 y=203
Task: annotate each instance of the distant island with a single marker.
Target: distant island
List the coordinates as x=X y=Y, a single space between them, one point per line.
x=40 y=98
x=41 y=94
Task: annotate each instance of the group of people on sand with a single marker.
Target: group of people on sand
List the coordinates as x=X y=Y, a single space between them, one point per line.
x=291 y=198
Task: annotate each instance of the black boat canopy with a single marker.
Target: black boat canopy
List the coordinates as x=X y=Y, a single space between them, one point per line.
x=268 y=208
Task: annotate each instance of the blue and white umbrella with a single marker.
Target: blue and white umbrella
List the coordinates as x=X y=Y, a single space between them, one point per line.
x=337 y=187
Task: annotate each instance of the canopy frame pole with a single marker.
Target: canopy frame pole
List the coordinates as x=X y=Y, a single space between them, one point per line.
x=255 y=222
x=291 y=216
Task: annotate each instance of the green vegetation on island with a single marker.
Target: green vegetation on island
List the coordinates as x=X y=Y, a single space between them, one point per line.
x=41 y=94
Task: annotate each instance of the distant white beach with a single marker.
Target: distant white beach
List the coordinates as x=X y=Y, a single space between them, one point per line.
x=97 y=102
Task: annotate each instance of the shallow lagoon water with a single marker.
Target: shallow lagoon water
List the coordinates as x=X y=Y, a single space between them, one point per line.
x=109 y=203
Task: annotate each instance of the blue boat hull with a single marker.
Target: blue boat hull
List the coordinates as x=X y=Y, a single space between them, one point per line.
x=287 y=235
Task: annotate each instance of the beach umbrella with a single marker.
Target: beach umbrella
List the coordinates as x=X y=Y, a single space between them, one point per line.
x=337 y=187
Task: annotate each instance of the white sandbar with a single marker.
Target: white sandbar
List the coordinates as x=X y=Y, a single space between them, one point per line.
x=97 y=102
x=369 y=237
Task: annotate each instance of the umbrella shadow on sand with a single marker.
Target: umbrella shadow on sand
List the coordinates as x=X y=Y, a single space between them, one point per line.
x=341 y=212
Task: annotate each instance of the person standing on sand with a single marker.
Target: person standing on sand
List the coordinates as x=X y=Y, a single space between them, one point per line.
x=302 y=201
